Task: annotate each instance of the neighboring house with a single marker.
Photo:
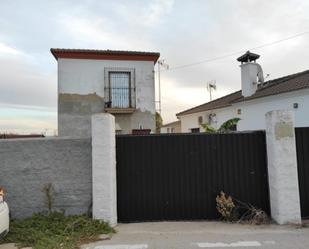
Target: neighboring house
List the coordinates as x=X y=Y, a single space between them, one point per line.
x=173 y=127
x=254 y=100
x=97 y=81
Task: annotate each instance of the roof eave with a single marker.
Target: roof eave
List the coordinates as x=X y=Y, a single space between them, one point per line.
x=206 y=110
x=105 y=55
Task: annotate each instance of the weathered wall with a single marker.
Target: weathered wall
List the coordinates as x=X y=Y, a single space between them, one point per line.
x=27 y=165
x=74 y=113
x=81 y=93
x=282 y=167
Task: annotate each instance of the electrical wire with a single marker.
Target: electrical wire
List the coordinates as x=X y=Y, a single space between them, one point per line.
x=238 y=52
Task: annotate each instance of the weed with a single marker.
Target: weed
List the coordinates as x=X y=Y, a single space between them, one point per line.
x=252 y=215
x=225 y=206
x=55 y=231
x=231 y=209
x=48 y=190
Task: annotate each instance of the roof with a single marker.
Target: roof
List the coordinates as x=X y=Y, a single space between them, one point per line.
x=10 y=136
x=171 y=123
x=215 y=104
x=277 y=86
x=104 y=54
x=248 y=56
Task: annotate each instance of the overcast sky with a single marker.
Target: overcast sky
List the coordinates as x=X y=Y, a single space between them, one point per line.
x=184 y=32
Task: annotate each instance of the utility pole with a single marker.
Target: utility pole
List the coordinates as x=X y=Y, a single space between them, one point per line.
x=159 y=81
x=161 y=63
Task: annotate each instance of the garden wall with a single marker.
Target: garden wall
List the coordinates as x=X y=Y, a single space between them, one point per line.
x=27 y=165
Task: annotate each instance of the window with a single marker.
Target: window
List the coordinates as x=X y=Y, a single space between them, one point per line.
x=195 y=130
x=119 y=88
x=200 y=120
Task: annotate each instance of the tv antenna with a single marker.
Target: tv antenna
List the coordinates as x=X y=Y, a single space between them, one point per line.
x=211 y=85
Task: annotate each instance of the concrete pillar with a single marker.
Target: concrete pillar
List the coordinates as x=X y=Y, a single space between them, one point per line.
x=282 y=167
x=104 y=194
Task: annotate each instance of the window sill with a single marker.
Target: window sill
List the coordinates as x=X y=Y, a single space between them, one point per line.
x=120 y=110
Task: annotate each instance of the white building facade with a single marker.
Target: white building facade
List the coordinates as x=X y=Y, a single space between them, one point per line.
x=97 y=81
x=173 y=127
x=252 y=113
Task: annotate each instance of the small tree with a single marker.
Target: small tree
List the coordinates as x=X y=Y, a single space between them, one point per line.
x=159 y=122
x=224 y=128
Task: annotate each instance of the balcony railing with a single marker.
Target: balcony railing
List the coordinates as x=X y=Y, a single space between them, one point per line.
x=120 y=97
x=120 y=93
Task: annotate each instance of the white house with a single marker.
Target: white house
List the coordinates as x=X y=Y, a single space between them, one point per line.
x=173 y=127
x=94 y=81
x=255 y=98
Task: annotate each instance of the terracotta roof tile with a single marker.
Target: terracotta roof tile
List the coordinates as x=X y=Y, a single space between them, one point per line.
x=104 y=54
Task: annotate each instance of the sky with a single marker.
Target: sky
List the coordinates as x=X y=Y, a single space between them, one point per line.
x=184 y=32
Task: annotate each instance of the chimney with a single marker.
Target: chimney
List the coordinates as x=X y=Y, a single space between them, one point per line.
x=251 y=73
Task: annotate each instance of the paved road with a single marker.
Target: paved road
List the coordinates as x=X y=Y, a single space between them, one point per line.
x=195 y=235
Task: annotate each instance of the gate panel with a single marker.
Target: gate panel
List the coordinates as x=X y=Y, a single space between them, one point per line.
x=302 y=146
x=177 y=177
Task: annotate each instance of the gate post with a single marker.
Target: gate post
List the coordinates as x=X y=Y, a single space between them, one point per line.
x=104 y=194
x=282 y=167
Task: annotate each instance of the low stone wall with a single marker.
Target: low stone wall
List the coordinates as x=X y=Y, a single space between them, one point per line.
x=27 y=165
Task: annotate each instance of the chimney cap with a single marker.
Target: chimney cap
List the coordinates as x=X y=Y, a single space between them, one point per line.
x=248 y=57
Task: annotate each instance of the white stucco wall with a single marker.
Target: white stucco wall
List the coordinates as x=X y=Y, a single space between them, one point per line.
x=191 y=121
x=163 y=130
x=104 y=189
x=171 y=128
x=249 y=73
x=81 y=84
x=253 y=112
x=79 y=76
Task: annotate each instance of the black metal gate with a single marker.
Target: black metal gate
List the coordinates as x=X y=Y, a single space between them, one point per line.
x=302 y=146
x=177 y=177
